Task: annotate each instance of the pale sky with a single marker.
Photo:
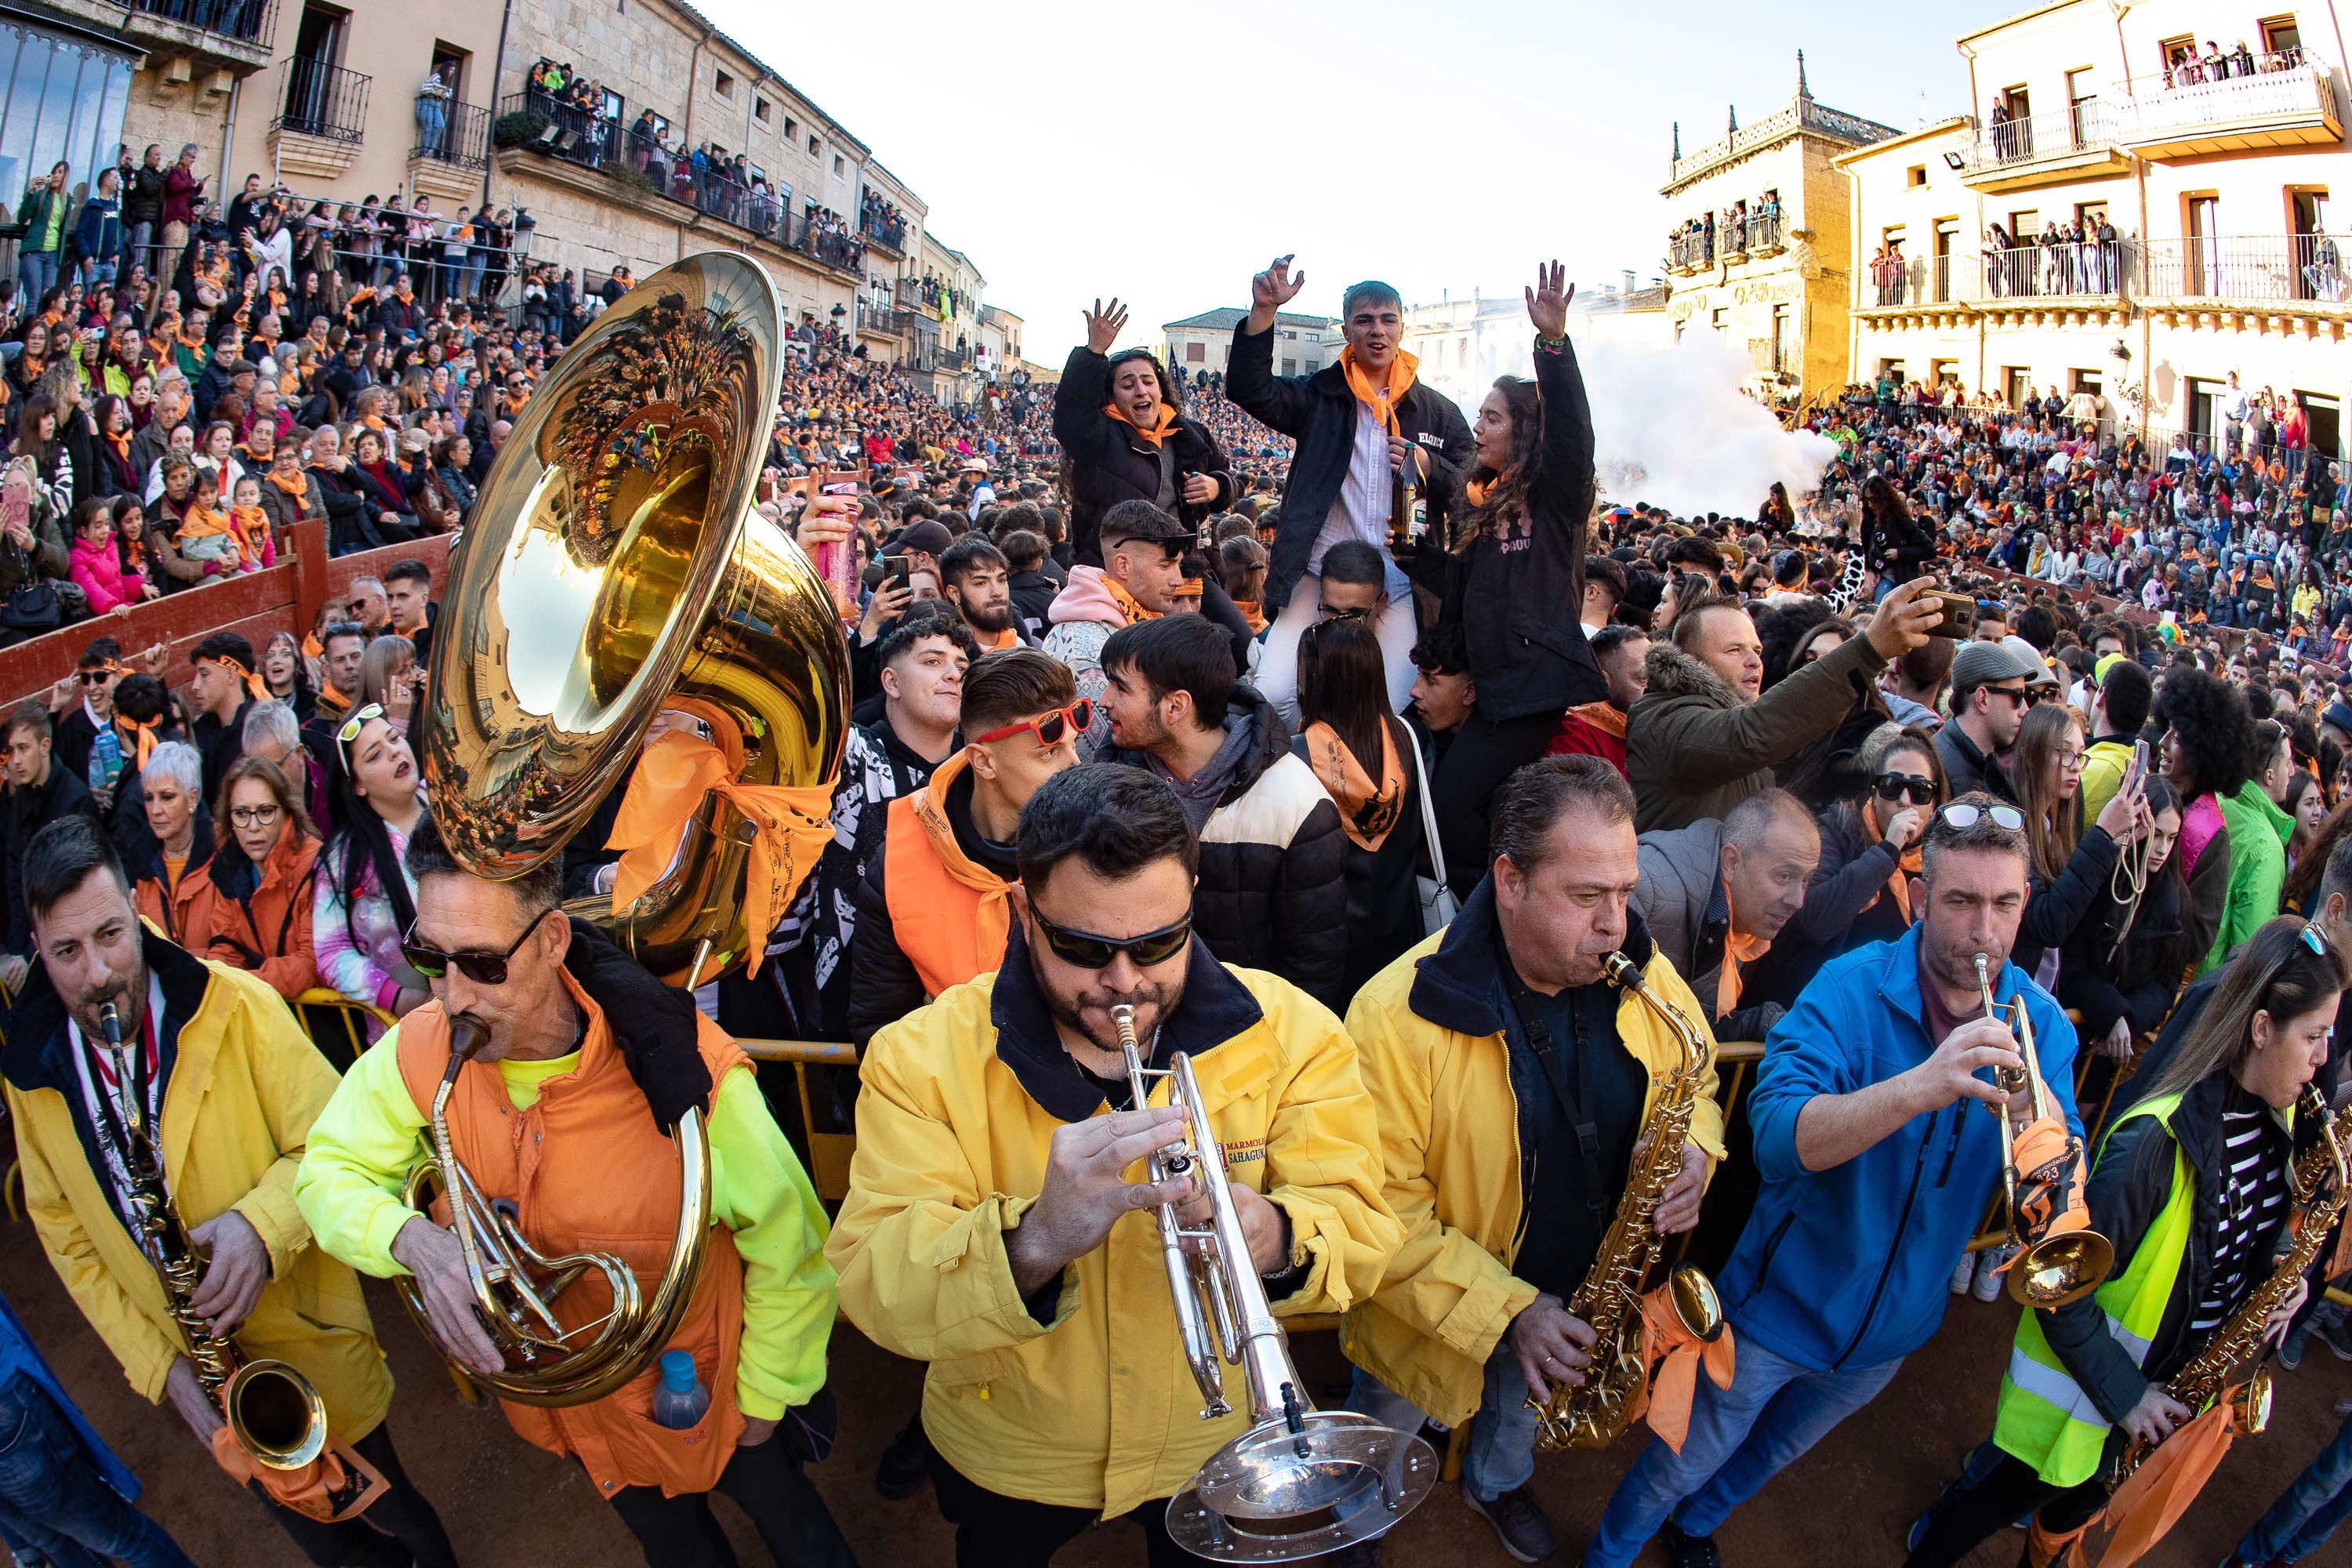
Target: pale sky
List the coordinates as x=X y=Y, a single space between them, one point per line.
x=1072 y=152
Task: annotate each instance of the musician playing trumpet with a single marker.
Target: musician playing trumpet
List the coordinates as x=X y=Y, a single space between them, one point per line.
x=1512 y=1084
x=994 y=1226
x=2193 y=1186
x=219 y=1081
x=573 y=1070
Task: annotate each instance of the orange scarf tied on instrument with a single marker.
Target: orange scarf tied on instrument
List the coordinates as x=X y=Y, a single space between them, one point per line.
x=1368 y=813
x=1384 y=396
x=677 y=774
x=1127 y=606
x=1907 y=865
x=1152 y=437
x=310 y=1490
x=2147 y=1505
x=1737 y=949
x=1672 y=1356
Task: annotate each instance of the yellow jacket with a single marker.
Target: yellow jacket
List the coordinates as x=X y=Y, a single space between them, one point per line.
x=952 y=1141
x=1449 y=1141
x=244 y=1087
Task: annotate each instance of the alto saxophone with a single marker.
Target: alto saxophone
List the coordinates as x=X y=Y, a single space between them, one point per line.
x=272 y=1411
x=1609 y=1299
x=2239 y=1337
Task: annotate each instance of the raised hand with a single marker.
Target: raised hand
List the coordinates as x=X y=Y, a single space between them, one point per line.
x=1547 y=301
x=1274 y=287
x=1103 y=326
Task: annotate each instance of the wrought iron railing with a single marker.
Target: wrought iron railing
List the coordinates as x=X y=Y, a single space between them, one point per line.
x=2294 y=269
x=247 y=21
x=2033 y=138
x=457 y=135
x=2086 y=268
x=814 y=236
x=576 y=135
x=890 y=233
x=2306 y=87
x=322 y=99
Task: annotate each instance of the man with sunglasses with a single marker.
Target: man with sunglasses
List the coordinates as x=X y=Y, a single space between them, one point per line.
x=587 y=1062
x=1878 y=1158
x=982 y=1231
x=933 y=909
x=82 y=704
x=1990 y=697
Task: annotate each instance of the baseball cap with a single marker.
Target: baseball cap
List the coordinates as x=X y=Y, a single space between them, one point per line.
x=1979 y=663
x=927 y=534
x=2038 y=672
x=2339 y=715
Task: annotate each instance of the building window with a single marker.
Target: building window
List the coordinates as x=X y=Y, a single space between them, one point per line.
x=2016 y=384
x=815 y=147
x=759 y=109
x=68 y=102
x=1722 y=323
x=1196 y=354
x=1290 y=367
x=2082 y=106
x=839 y=167
x=1916 y=175
x=2281 y=37
x=724 y=83
x=1783 y=318
x=1289 y=337
x=791 y=129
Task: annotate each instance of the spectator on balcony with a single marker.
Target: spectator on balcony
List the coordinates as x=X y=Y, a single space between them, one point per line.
x=42 y=214
x=433 y=99
x=142 y=210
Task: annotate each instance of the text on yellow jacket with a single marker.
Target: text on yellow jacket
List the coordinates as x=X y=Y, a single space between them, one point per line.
x=1096 y=1407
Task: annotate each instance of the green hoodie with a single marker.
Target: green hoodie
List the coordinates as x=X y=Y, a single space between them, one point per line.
x=2258 y=835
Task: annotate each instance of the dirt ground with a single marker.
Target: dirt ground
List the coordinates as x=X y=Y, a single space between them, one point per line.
x=508 y=1505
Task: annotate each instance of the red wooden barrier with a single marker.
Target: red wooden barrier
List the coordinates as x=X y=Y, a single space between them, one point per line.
x=285 y=598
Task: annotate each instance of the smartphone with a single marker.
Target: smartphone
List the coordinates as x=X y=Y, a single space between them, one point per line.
x=2137 y=769
x=1959 y=620
x=897 y=570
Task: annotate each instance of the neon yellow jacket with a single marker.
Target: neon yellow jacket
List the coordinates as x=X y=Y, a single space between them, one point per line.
x=1096 y=1407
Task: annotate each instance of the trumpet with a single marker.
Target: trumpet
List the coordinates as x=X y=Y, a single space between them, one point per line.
x=1300 y=1482
x=2062 y=1258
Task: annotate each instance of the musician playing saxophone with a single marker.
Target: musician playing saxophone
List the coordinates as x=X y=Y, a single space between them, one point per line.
x=585 y=1064
x=1512 y=1082
x=993 y=1228
x=2192 y=1185
x=224 y=1086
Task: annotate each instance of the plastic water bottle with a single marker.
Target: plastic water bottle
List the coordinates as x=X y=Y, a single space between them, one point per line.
x=681 y=1399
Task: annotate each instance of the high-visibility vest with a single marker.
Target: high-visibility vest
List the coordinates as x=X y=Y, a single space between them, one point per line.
x=2045 y=1418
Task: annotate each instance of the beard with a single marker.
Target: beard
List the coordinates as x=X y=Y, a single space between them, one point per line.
x=991 y=618
x=128 y=995
x=1152 y=1005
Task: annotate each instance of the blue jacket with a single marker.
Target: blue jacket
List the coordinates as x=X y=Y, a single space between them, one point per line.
x=19 y=1358
x=1851 y=1265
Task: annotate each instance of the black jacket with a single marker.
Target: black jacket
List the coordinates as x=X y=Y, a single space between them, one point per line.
x=1319 y=412
x=1383 y=895
x=24 y=812
x=2104 y=980
x=1032 y=595
x=1273 y=887
x=1516 y=592
x=1109 y=463
x=1967 y=768
x=142 y=198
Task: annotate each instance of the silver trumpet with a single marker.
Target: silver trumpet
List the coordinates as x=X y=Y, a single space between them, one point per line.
x=1301 y=1481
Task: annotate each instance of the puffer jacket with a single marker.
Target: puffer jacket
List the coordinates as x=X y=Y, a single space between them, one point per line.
x=1433 y=1035
x=259 y=923
x=1319 y=413
x=1693 y=750
x=1273 y=890
x=98 y=572
x=1109 y=463
x=1078 y=1395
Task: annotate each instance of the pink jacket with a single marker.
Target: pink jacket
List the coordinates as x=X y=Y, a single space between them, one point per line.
x=97 y=570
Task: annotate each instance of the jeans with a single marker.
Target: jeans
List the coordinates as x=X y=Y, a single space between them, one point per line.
x=37 y=273
x=139 y=248
x=51 y=1496
x=1739 y=1439
x=476 y=264
x=2312 y=1506
x=767 y=1484
x=432 y=124
x=1502 y=1454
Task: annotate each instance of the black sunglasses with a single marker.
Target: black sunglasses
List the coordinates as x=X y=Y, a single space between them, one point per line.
x=1921 y=791
x=1088 y=951
x=481 y=968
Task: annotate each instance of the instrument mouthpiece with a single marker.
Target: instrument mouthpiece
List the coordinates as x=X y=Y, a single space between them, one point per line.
x=466 y=1036
x=111 y=1023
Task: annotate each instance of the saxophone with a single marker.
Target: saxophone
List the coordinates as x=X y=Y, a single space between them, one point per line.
x=273 y=1413
x=2205 y=1378
x=1609 y=1299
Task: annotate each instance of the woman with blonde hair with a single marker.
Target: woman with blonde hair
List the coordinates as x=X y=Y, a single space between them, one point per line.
x=391 y=677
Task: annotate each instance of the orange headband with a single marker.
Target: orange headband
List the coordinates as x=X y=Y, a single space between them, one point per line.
x=253 y=683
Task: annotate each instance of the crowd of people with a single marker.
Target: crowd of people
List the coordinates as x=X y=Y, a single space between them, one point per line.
x=1449 y=843
x=2191 y=67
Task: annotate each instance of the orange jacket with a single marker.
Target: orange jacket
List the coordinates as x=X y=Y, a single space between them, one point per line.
x=950 y=916
x=169 y=914
x=268 y=933
x=588 y=1170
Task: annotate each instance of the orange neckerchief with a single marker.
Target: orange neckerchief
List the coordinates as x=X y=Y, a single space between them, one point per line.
x=1366 y=813
x=1152 y=437
x=198 y=521
x=311 y=647
x=993 y=920
x=298 y=487
x=1604 y=716
x=1004 y=639
x=1126 y=600
x=1384 y=398
x=1252 y=613
x=679 y=770
x=252 y=526
x=1737 y=949
x=1907 y=865
x=122 y=445
x=1476 y=491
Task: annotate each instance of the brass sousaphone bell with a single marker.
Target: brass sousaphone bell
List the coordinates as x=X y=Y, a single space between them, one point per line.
x=615 y=567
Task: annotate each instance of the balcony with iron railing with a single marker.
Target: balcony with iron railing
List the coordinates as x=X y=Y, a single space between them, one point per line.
x=2076 y=143
x=457 y=135
x=836 y=247
x=2091 y=274
x=557 y=128
x=882 y=321
x=2289 y=271
x=2298 y=103
x=321 y=99
x=886 y=233
x=231 y=33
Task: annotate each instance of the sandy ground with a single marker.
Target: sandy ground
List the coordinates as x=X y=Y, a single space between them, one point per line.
x=508 y=1505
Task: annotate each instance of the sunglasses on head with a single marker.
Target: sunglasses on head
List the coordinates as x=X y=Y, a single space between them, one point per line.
x=352 y=728
x=1964 y=817
x=1918 y=789
x=481 y=968
x=1088 y=951
x=1049 y=728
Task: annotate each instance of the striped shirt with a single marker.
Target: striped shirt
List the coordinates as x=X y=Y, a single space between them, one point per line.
x=2254 y=1158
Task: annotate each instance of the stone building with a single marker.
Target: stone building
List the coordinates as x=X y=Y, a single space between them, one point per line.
x=1758 y=250
x=1201 y=344
x=2210 y=239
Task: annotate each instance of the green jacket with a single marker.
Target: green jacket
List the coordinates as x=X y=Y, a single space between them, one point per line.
x=42 y=212
x=2258 y=834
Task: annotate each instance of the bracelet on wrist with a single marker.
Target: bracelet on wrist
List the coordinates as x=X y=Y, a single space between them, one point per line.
x=1553 y=345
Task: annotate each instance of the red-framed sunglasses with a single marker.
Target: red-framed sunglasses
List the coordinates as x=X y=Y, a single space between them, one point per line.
x=1049 y=727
